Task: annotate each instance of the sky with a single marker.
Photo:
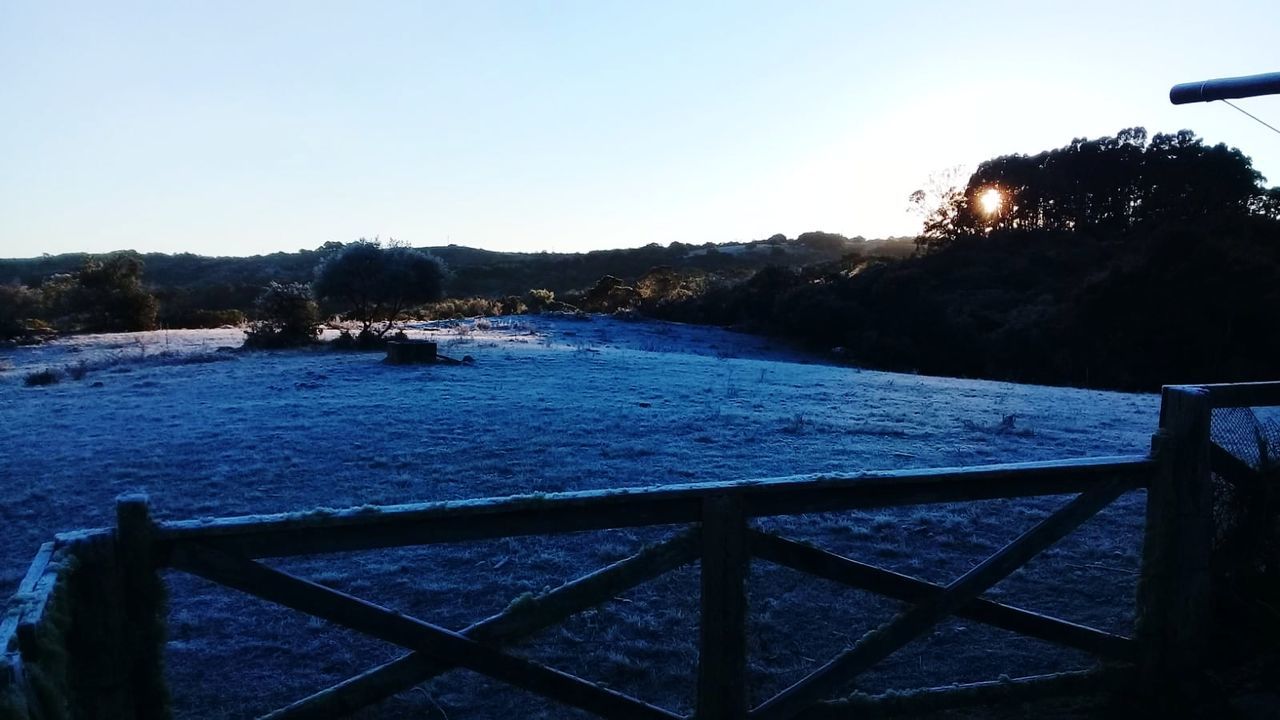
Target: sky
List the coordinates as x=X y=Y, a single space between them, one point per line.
x=243 y=128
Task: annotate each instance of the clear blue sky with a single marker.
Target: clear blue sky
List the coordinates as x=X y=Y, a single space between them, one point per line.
x=237 y=128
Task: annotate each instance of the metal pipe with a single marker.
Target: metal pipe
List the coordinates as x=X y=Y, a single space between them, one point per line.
x=1223 y=88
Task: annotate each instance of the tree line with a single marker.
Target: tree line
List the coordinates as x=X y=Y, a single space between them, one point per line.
x=1119 y=262
x=1127 y=261
x=1107 y=184
x=187 y=290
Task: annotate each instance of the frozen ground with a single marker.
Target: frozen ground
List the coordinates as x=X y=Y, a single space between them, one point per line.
x=550 y=404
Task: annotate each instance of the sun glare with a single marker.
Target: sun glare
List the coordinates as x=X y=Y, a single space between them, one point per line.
x=991 y=200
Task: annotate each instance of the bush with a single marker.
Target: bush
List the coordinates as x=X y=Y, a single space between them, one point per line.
x=47 y=376
x=210 y=319
x=610 y=294
x=663 y=285
x=512 y=305
x=17 y=306
x=362 y=340
x=286 y=317
x=457 y=308
x=539 y=299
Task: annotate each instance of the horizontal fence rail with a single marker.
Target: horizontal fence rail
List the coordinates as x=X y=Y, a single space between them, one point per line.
x=1256 y=394
x=367 y=528
x=109 y=579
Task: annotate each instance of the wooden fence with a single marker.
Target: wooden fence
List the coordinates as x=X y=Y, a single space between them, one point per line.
x=85 y=635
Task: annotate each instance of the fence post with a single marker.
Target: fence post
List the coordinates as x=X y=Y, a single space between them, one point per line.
x=722 y=661
x=1175 y=602
x=143 y=606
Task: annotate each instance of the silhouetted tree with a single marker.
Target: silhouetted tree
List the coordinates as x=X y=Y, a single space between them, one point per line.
x=377 y=283
x=831 y=243
x=1107 y=184
x=1267 y=204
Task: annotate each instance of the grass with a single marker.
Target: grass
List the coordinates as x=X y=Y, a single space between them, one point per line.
x=540 y=417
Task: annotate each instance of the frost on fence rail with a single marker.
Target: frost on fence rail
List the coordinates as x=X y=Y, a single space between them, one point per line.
x=428 y=523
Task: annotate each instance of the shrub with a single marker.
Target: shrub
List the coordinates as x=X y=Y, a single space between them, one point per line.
x=539 y=299
x=610 y=294
x=663 y=285
x=48 y=376
x=17 y=305
x=286 y=317
x=457 y=308
x=344 y=341
x=210 y=319
x=512 y=305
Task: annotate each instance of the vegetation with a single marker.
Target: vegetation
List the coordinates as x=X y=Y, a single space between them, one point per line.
x=104 y=294
x=1192 y=302
x=108 y=296
x=287 y=316
x=1108 y=184
x=189 y=287
x=1126 y=261
x=1110 y=263
x=39 y=378
x=376 y=284
x=18 y=304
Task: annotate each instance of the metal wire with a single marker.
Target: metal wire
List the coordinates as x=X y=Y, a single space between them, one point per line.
x=1255 y=117
x=1242 y=433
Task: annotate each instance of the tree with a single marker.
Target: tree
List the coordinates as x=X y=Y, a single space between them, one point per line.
x=937 y=204
x=107 y=296
x=1267 y=204
x=824 y=242
x=1108 y=184
x=376 y=283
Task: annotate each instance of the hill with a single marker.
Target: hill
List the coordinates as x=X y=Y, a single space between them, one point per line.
x=185 y=283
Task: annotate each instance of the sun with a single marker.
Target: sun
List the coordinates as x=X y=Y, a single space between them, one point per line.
x=991 y=200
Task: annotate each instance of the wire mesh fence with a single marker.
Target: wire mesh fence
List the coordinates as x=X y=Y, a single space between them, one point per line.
x=1248 y=435
x=1246 y=513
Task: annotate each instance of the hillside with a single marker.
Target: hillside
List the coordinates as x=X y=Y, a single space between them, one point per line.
x=185 y=282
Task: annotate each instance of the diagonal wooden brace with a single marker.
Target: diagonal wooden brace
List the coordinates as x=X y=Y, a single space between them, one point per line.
x=403 y=673
x=360 y=615
x=915 y=621
x=837 y=568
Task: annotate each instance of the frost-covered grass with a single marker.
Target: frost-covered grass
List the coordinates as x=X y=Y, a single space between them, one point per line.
x=551 y=404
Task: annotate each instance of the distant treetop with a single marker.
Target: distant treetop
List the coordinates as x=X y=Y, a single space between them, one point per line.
x=1109 y=183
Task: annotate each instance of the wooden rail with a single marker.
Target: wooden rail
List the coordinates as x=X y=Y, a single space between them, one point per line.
x=1254 y=394
x=370 y=527
x=122 y=567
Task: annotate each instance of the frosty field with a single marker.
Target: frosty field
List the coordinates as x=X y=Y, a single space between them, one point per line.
x=550 y=404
